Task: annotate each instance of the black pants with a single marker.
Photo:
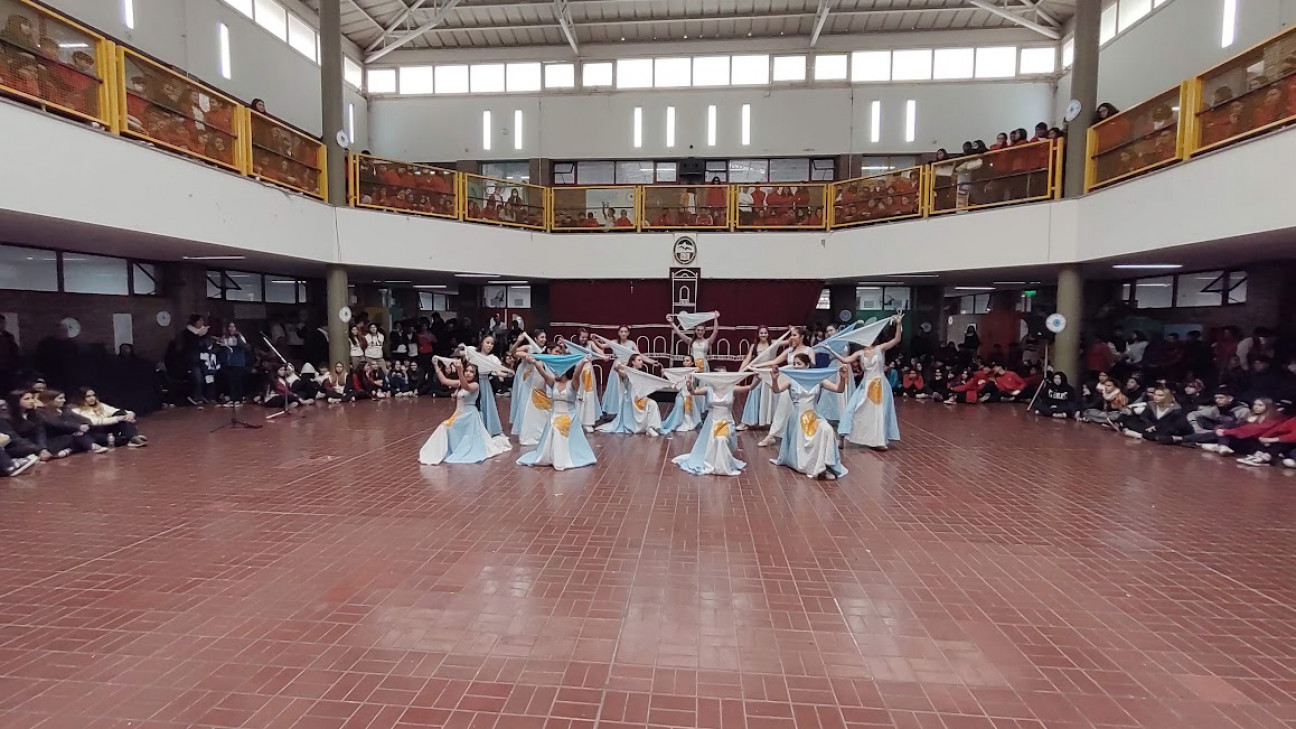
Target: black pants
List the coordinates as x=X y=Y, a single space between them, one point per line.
x=276 y=400
x=76 y=442
x=121 y=433
x=233 y=381
x=1046 y=407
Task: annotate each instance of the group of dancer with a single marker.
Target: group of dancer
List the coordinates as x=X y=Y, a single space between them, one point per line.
x=555 y=401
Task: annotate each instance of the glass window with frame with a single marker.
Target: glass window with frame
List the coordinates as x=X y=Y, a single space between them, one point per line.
x=830 y=67
x=564 y=173
x=560 y=75
x=280 y=290
x=823 y=169
x=594 y=75
x=751 y=70
x=353 y=73
x=634 y=73
x=86 y=274
x=486 y=78
x=272 y=16
x=974 y=304
x=301 y=37
x=452 y=79
x=144 y=279
x=1038 y=60
x=243 y=286
x=716 y=168
x=28 y=269
x=789 y=68
x=522 y=77
x=748 y=170
x=243 y=6
x=796 y=169
x=953 y=63
x=1203 y=288
x=635 y=172
x=382 y=81
x=1107 y=24
x=911 y=65
x=1237 y=287
x=898 y=297
x=1068 y=53
x=672 y=73
x=513 y=171
x=1154 y=293
x=667 y=172
x=996 y=62
x=1131 y=11
x=825 y=300
x=711 y=71
x=868 y=298
x=870 y=66
x=416 y=80
x=595 y=172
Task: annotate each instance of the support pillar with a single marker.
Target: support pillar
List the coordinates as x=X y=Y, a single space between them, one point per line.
x=1084 y=88
x=332 y=101
x=1070 y=303
x=338 y=330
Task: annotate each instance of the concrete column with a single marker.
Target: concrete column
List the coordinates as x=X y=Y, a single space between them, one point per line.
x=338 y=331
x=1065 y=352
x=1084 y=87
x=332 y=100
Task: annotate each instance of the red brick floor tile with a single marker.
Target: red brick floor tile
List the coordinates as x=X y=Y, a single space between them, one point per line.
x=991 y=571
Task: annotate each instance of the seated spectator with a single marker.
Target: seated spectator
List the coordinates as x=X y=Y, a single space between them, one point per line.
x=938 y=384
x=912 y=383
x=17 y=454
x=303 y=387
x=333 y=384
x=1003 y=385
x=1223 y=412
x=398 y=381
x=1057 y=399
x=417 y=378
x=60 y=421
x=109 y=426
x=1160 y=419
x=1278 y=445
x=363 y=385
x=27 y=427
x=1110 y=402
x=1244 y=439
x=279 y=392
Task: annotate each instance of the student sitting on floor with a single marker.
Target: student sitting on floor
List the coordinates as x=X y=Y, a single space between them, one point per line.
x=1244 y=439
x=109 y=426
x=1276 y=446
x=63 y=425
x=1003 y=385
x=1160 y=419
x=279 y=392
x=333 y=384
x=1108 y=404
x=1224 y=412
x=17 y=454
x=1057 y=399
x=912 y=384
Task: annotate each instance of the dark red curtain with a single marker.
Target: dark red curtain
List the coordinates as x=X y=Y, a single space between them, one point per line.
x=741 y=303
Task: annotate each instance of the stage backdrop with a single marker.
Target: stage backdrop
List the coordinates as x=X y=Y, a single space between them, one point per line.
x=741 y=303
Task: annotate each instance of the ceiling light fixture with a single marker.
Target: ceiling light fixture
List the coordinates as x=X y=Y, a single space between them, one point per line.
x=508 y=283
x=214 y=258
x=430 y=286
x=917 y=275
x=476 y=275
x=974 y=288
x=1148 y=266
x=1009 y=283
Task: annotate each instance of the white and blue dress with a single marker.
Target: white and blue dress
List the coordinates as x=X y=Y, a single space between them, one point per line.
x=685 y=416
x=562 y=442
x=758 y=412
x=613 y=389
x=462 y=438
x=831 y=405
x=636 y=414
x=809 y=443
x=870 y=417
x=713 y=451
x=533 y=409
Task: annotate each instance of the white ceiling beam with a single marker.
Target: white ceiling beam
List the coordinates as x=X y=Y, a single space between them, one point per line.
x=1040 y=12
x=821 y=17
x=1043 y=30
x=392 y=26
x=565 y=22
x=442 y=13
x=365 y=14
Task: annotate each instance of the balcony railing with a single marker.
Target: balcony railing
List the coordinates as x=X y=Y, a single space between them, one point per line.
x=891 y=195
x=287 y=157
x=685 y=207
x=780 y=207
x=504 y=202
x=594 y=209
x=49 y=60
x=1138 y=140
x=1248 y=94
x=1018 y=174
x=403 y=187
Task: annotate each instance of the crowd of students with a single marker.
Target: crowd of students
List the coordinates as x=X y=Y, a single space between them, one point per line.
x=39 y=424
x=495 y=205
x=37 y=65
x=408 y=187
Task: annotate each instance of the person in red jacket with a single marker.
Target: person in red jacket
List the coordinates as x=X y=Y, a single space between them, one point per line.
x=1244 y=439
x=969 y=391
x=1002 y=385
x=1277 y=445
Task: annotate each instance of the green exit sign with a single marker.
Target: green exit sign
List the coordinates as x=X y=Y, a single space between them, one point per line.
x=1029 y=292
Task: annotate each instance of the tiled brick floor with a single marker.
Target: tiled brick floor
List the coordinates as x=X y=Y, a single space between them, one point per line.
x=989 y=572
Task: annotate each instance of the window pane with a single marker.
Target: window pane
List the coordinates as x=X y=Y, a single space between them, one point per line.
x=830 y=67
x=634 y=73
x=789 y=170
x=564 y=173
x=1237 y=291
x=560 y=75
x=750 y=70
x=28 y=269
x=487 y=78
x=518 y=171
x=666 y=171
x=416 y=79
x=997 y=62
x=272 y=16
x=352 y=72
x=280 y=290
x=1204 y=288
x=634 y=173
x=452 y=79
x=870 y=66
x=1038 y=60
x=596 y=74
x=711 y=71
x=596 y=173
x=1131 y=11
x=915 y=65
x=1153 y=293
x=248 y=286
x=825 y=300
x=868 y=298
x=523 y=76
x=301 y=292
x=672 y=72
x=145 y=279
x=748 y=170
x=954 y=63
x=789 y=68
x=214 y=285
x=1107 y=28
x=1068 y=53
x=823 y=169
x=382 y=81
x=896 y=298
x=243 y=6
x=301 y=37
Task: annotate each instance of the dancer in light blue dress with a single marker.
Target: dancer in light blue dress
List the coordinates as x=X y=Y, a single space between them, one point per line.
x=534 y=406
x=462 y=438
x=698 y=340
x=562 y=444
x=523 y=346
x=713 y=451
x=758 y=411
x=831 y=405
x=622 y=349
x=685 y=415
x=486 y=397
x=639 y=413
x=809 y=443
x=870 y=417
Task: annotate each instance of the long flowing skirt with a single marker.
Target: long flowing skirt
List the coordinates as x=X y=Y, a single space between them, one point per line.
x=562 y=445
x=810 y=446
x=462 y=438
x=758 y=412
x=612 y=394
x=684 y=416
x=489 y=410
x=713 y=451
x=587 y=402
x=520 y=378
x=533 y=415
x=783 y=412
x=830 y=405
x=870 y=418
x=635 y=416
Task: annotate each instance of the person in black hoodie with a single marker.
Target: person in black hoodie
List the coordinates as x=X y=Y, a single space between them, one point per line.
x=16 y=453
x=64 y=428
x=1058 y=398
x=26 y=429
x=1160 y=418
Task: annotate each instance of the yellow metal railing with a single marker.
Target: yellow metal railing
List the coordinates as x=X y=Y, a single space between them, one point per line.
x=50 y=60
x=594 y=209
x=165 y=108
x=779 y=207
x=403 y=187
x=1017 y=174
x=1248 y=94
x=285 y=156
x=684 y=207
x=1140 y=139
x=891 y=195
x=503 y=202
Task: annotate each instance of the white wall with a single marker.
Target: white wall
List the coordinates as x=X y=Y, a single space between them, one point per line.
x=183 y=33
x=784 y=121
x=1177 y=41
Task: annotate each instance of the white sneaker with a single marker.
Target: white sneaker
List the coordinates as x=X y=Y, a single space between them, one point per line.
x=1210 y=447
x=766 y=441
x=96 y=448
x=1255 y=459
x=1225 y=451
x=22 y=464
x=1289 y=462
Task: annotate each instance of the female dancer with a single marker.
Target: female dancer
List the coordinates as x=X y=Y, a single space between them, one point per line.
x=699 y=342
x=798 y=343
x=713 y=451
x=831 y=405
x=587 y=401
x=622 y=350
x=639 y=413
x=531 y=404
x=561 y=445
x=462 y=438
x=684 y=416
x=809 y=444
x=870 y=419
x=759 y=410
x=486 y=397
